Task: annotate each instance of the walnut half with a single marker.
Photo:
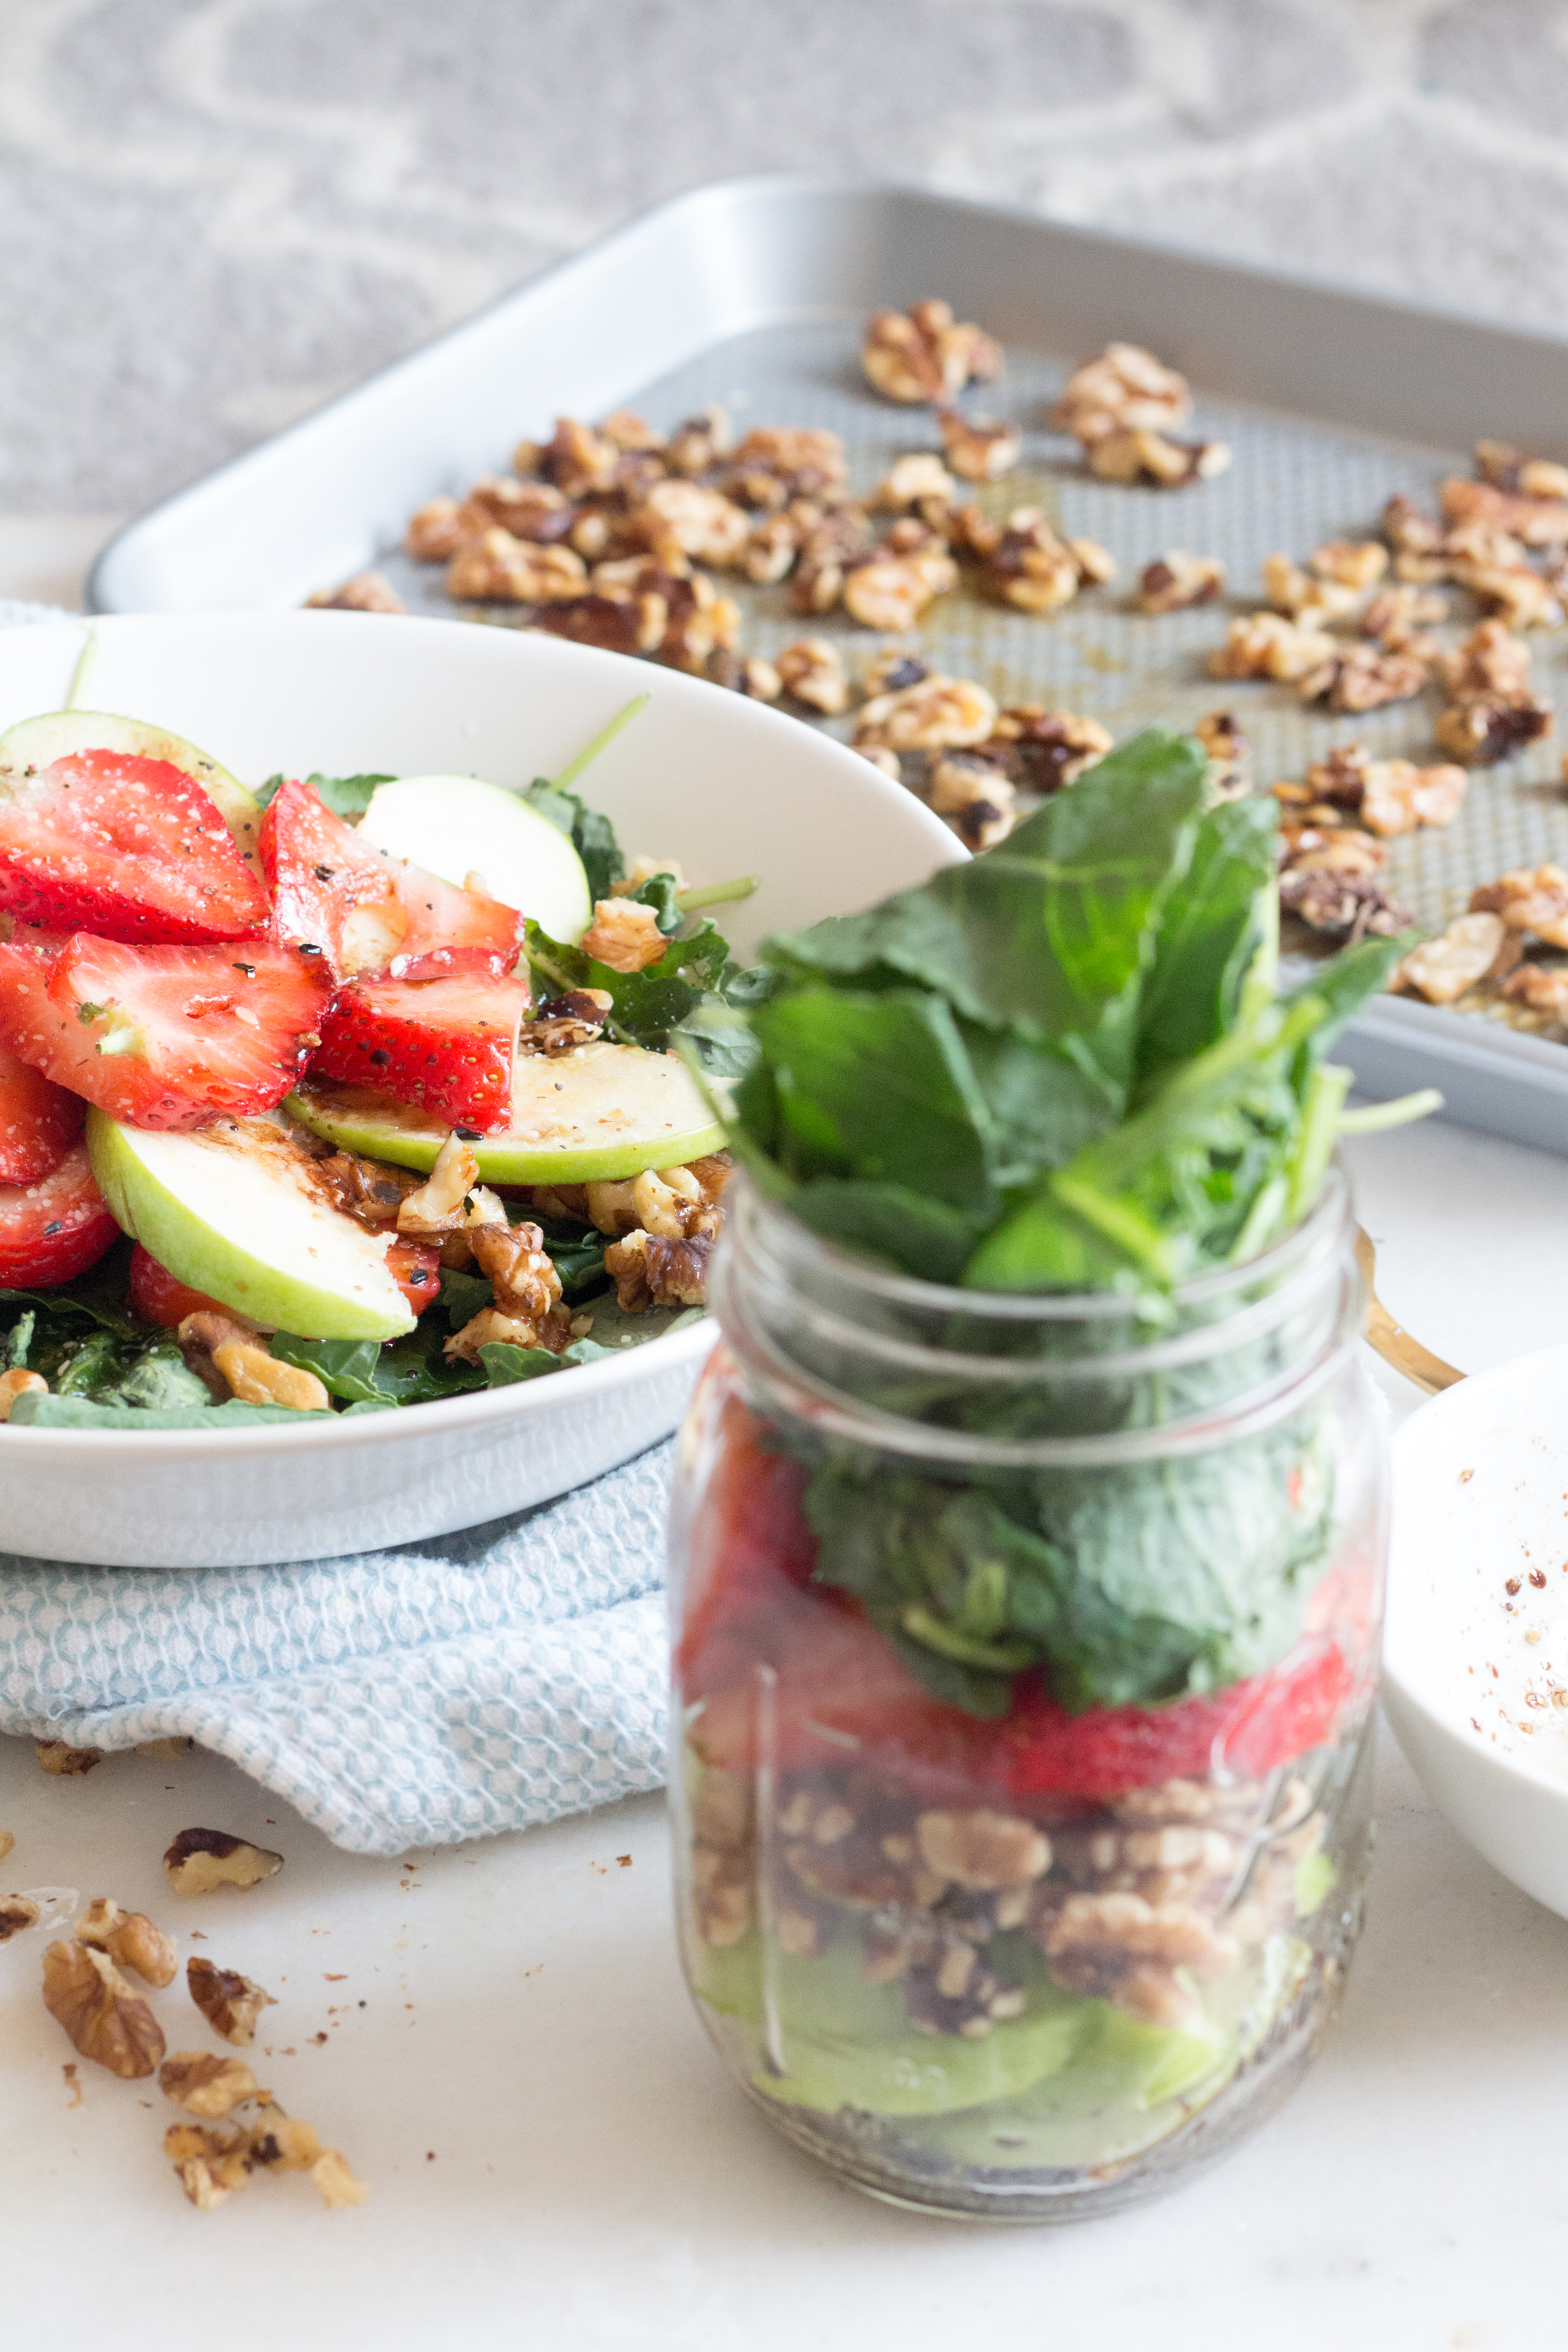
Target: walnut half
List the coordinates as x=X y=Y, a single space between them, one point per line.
x=131 y=1940
x=107 y=2022
x=230 y=2003
x=205 y=2085
x=200 y=1860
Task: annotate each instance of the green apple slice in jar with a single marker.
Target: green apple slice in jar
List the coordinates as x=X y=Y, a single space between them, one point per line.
x=602 y=1112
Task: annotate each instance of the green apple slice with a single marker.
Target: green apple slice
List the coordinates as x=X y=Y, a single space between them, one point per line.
x=600 y=1112
x=234 y=1211
x=39 y=742
x=456 y=825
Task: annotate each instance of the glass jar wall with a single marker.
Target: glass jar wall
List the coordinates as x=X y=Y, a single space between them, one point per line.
x=1024 y=1652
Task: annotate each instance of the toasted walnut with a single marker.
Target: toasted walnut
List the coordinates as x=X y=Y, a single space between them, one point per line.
x=1532 y=986
x=530 y=511
x=437 y=1206
x=1044 y=749
x=1532 y=901
x=649 y=1270
x=230 y=2003
x=212 y=2165
x=628 y=430
x=1124 y=1949
x=676 y=1202
x=1490 y=661
x=1473 y=948
x=889 y=671
x=200 y=1860
x=891 y=592
x=131 y=1940
x=1362 y=678
x=978 y=448
x=519 y=1267
x=1301 y=596
x=19 y=1383
x=827 y=550
x=974 y=796
x=1123 y=389
x=1358 y=564
x=1396 y=616
x=1150 y=457
x=437 y=529
x=1265 y=644
x=1537 y=477
x=367 y=592
x=1481 y=732
x=699 y=444
x=1030 y=567
x=982 y=1850
x=1391 y=796
x=922 y=354
x=496 y=568
x=1519 y=597
x=771 y=550
x=205 y=2084
x=915 y=480
x=1229 y=754
x=1342 y=907
x=696 y=521
x=257 y=1377
x=937 y=714
x=618 y=625
x=58 y=1757
x=1176 y=580
x=366 y=1190
x=561 y=1024
x=1536 y=523
x=624 y=935
x=492 y=1327
x=1317 y=848
x=108 y=2022
x=17 y=1912
x=576 y=459
x=808 y=461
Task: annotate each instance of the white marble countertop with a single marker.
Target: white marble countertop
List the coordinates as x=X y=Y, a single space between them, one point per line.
x=498 y=2039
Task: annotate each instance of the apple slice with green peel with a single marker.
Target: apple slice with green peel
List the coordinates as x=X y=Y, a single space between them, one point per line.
x=455 y=826
x=61 y=734
x=599 y=1112
x=234 y=1211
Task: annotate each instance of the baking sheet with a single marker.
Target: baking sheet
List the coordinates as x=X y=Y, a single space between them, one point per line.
x=753 y=296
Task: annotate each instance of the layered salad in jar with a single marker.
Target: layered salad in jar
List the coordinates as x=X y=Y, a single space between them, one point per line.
x=1029 y=1536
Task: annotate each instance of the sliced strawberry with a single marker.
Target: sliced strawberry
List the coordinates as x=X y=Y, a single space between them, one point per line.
x=159 y=1297
x=366 y=912
x=170 y=1038
x=38 y=1122
x=417 y=1270
x=126 y=847
x=54 y=1229
x=445 y=1045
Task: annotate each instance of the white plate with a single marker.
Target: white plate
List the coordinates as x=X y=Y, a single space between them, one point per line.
x=724 y=784
x=1481 y=1513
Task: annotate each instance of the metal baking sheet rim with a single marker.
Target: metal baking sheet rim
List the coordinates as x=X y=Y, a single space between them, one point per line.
x=719 y=260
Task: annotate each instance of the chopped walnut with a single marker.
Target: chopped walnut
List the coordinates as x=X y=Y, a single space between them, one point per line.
x=17 y=1914
x=1265 y=644
x=19 y=1383
x=1030 y=566
x=1536 y=478
x=1044 y=750
x=1396 y=618
x=752 y=677
x=1123 y=390
x=975 y=797
x=131 y=1940
x=1473 y=948
x=679 y=1202
x=916 y=480
x=530 y=511
x=200 y=1860
x=1534 y=901
x=889 y=671
x=108 y=2022
x=212 y=2165
x=936 y=714
x=58 y=1757
x=498 y=568
x=206 y=2085
x=493 y=1326
x=1175 y=580
x=519 y=1267
x=622 y=623
x=891 y=592
x=336 y=2184
x=284 y=2143
x=699 y=444
x=1229 y=754
x=219 y=1349
x=827 y=549
x=771 y=550
x=577 y=459
x=1535 y=522
x=1358 y=564
x=650 y=1270
x=1315 y=848
x=1301 y=596
x=367 y=592
x=627 y=430
x=1150 y=457
x=921 y=354
x=1490 y=662
x=1342 y=907
x=1362 y=677
x=982 y=1850
x=1121 y=1949
x=881 y=757
x=561 y=1024
x=624 y=935
x=1391 y=796
x=230 y=2003
x=1519 y=597
x=1479 y=733
x=978 y=448
x=1539 y=990
x=437 y=529
x=695 y=522
x=808 y=461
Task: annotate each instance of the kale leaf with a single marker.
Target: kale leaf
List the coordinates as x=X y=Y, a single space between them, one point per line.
x=346 y=797
x=592 y=835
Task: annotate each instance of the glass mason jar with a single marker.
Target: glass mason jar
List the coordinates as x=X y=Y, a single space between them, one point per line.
x=1025 y=1655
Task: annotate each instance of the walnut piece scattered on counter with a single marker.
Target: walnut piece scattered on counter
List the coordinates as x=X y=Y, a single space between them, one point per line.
x=199 y=1861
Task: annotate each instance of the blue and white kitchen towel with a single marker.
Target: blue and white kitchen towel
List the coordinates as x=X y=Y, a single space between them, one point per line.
x=474 y=1682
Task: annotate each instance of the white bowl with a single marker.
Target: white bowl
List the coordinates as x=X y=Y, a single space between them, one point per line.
x=1474 y=1647
x=721 y=783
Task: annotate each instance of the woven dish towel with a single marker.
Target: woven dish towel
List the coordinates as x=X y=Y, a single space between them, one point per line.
x=474 y=1682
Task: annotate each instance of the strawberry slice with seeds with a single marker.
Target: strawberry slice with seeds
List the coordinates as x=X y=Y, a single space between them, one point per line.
x=38 y=1122
x=165 y=1037
x=445 y=1045
x=161 y=1297
x=364 y=912
x=417 y=1270
x=129 y=848
x=54 y=1229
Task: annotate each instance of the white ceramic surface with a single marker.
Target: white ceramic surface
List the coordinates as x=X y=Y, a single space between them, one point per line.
x=718 y=781
x=1477 y=1639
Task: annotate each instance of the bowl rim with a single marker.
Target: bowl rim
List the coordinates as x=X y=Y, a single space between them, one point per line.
x=1442 y=1408
x=476 y=1410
